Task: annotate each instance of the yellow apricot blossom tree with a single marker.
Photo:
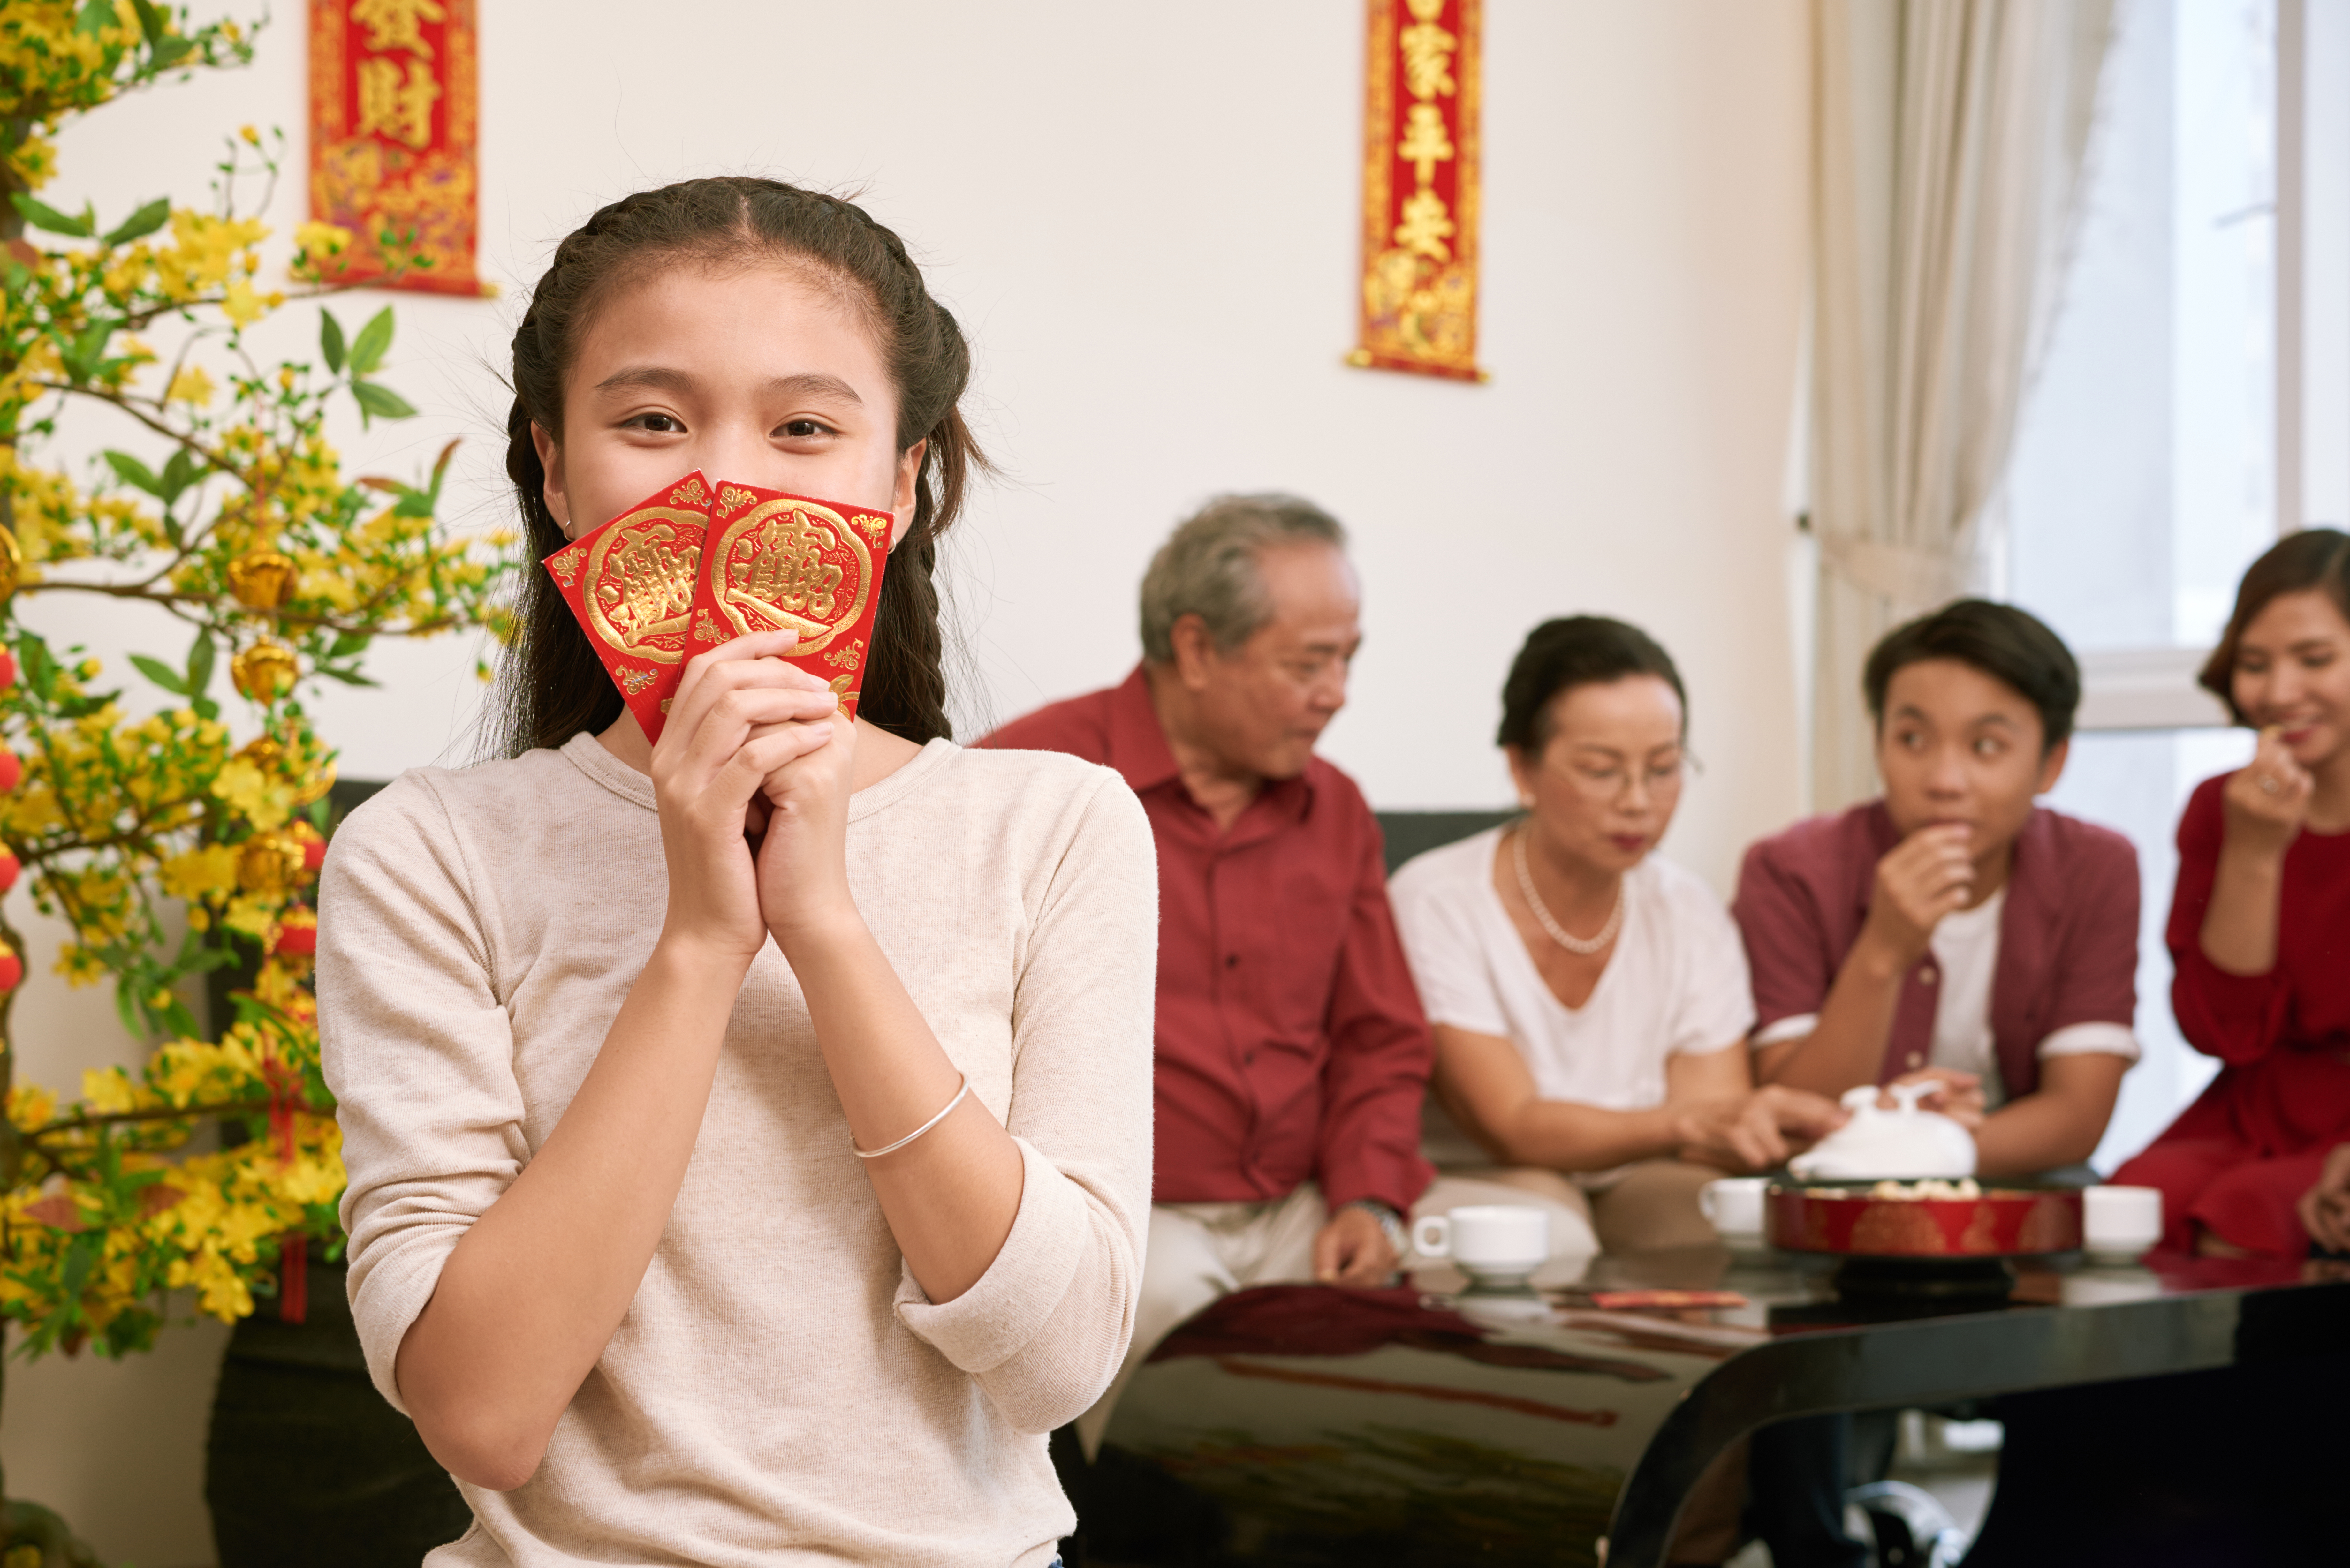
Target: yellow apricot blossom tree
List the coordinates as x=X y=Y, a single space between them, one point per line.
x=169 y=849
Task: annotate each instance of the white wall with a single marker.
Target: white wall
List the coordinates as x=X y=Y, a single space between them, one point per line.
x=1147 y=218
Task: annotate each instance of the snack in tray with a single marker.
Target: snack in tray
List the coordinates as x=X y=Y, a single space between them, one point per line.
x=774 y=562
x=1928 y=1187
x=631 y=582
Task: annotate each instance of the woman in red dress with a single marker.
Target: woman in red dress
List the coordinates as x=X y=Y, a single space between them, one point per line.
x=2260 y=926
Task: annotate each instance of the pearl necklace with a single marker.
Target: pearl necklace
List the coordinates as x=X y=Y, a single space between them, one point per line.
x=1559 y=933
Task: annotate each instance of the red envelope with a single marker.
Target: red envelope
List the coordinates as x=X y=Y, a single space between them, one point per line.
x=631 y=583
x=776 y=562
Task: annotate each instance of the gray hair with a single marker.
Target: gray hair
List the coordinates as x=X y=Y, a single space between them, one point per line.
x=1208 y=568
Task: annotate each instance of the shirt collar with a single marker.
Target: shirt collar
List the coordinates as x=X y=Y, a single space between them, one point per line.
x=1139 y=751
x=1137 y=745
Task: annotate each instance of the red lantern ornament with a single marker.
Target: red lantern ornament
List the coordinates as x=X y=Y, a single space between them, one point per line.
x=297 y=932
x=314 y=854
x=12 y=771
x=10 y=868
x=7 y=670
x=11 y=968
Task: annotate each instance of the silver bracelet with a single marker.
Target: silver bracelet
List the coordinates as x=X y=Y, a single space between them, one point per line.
x=878 y=1153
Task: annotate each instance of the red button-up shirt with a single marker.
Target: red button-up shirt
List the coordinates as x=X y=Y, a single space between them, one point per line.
x=1290 y=1041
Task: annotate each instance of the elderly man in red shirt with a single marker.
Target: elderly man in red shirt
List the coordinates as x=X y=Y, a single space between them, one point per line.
x=1292 y=1054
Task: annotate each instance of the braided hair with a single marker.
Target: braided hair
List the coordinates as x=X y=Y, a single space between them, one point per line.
x=551 y=684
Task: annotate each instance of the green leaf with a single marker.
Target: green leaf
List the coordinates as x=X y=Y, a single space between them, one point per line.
x=161 y=673
x=82 y=355
x=206 y=708
x=41 y=215
x=368 y=348
x=40 y=670
x=330 y=340
x=135 y=474
x=200 y=663
x=381 y=401
x=348 y=677
x=182 y=470
x=81 y=1256
x=348 y=643
x=94 y=18
x=150 y=21
x=140 y=223
x=172 y=51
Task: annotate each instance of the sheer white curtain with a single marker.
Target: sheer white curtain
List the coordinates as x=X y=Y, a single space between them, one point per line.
x=1948 y=148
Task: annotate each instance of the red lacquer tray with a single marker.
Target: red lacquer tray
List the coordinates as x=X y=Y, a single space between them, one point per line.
x=1848 y=1220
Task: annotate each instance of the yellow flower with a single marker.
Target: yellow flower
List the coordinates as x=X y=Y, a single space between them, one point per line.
x=240 y=305
x=31 y=1105
x=250 y=136
x=192 y=387
x=322 y=239
x=203 y=872
x=109 y=1092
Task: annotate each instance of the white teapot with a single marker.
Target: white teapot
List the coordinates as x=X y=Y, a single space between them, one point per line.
x=1905 y=1143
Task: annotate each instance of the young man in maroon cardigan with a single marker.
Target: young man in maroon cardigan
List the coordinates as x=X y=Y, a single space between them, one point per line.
x=1953 y=930
x=1292 y=1053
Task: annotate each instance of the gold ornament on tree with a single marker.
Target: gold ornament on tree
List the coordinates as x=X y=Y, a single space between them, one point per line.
x=266 y=672
x=262 y=579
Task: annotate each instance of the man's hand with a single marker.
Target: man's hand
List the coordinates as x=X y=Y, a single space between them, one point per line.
x=1351 y=1249
x=1922 y=878
x=1757 y=1131
x=2325 y=1207
x=1956 y=1094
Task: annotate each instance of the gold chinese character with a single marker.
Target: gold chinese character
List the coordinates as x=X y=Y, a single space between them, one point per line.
x=399 y=110
x=1424 y=144
x=1428 y=59
x=1425 y=226
x=651 y=581
x=393 y=23
x=789 y=571
x=1426 y=10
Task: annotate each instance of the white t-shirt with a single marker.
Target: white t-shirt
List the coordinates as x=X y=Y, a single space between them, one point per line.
x=1676 y=983
x=1965 y=946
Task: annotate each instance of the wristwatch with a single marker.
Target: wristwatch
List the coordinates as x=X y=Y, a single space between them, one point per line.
x=1391 y=1226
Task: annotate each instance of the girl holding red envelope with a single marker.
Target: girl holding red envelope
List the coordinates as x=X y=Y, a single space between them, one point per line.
x=749 y=1131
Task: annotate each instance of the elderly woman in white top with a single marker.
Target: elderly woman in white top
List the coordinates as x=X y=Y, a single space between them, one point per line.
x=1588 y=998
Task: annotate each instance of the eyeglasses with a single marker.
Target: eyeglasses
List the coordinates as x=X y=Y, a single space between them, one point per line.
x=1613 y=782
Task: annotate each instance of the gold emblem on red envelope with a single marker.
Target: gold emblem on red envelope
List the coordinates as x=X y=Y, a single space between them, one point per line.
x=776 y=562
x=631 y=583
x=640 y=575
x=783 y=563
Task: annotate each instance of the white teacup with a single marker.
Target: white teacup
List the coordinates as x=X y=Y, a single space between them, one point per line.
x=1493 y=1243
x=1734 y=1207
x=2120 y=1222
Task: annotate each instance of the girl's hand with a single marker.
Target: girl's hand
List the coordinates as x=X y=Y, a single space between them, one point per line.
x=803 y=851
x=2266 y=801
x=732 y=725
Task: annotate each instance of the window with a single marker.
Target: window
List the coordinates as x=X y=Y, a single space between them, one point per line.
x=2192 y=400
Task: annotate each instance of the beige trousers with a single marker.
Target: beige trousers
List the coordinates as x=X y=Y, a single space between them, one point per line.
x=1199 y=1251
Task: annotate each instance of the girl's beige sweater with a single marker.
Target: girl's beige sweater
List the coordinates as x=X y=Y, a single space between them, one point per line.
x=780 y=1390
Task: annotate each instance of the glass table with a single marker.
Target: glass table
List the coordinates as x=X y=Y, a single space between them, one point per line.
x=1428 y=1423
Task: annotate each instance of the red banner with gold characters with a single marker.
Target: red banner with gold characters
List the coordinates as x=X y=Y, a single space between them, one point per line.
x=1420 y=190
x=395 y=116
